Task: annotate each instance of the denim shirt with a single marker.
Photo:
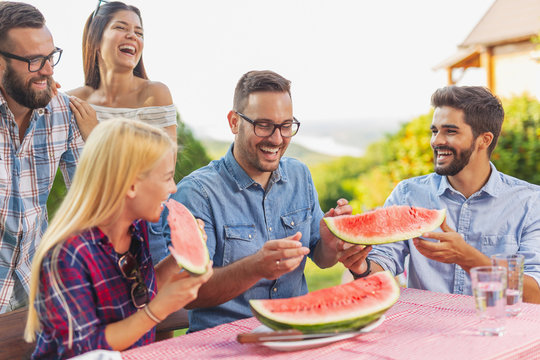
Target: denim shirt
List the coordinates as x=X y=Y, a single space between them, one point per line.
x=240 y=216
x=502 y=217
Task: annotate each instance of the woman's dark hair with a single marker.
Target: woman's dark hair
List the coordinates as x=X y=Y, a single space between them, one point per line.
x=92 y=35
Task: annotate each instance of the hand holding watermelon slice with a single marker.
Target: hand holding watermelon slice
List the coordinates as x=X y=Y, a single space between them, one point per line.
x=449 y=248
x=188 y=239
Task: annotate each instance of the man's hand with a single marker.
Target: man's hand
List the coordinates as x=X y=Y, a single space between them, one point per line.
x=329 y=239
x=451 y=248
x=278 y=257
x=353 y=257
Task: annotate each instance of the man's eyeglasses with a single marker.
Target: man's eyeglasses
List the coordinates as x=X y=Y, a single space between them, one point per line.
x=130 y=270
x=97 y=7
x=37 y=63
x=263 y=128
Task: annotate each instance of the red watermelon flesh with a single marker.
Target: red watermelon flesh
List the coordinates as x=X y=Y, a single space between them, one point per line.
x=343 y=307
x=385 y=225
x=188 y=245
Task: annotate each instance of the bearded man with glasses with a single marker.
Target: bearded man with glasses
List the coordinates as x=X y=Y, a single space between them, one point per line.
x=37 y=134
x=260 y=209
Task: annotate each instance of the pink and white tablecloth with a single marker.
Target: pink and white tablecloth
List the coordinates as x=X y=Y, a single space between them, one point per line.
x=421 y=325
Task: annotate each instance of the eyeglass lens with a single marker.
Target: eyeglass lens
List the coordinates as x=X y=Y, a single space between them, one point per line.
x=286 y=129
x=38 y=63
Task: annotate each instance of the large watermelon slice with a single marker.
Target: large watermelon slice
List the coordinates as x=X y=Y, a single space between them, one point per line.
x=188 y=245
x=344 y=307
x=385 y=225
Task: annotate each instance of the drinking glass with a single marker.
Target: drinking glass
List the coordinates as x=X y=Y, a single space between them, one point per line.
x=514 y=289
x=489 y=287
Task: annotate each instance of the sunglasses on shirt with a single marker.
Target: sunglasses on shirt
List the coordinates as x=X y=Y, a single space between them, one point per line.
x=130 y=270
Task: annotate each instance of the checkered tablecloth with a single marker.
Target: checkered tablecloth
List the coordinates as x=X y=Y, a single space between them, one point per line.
x=421 y=325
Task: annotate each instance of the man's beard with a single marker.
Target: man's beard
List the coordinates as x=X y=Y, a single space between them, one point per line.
x=457 y=164
x=23 y=94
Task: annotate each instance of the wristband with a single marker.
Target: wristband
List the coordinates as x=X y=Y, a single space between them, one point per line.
x=151 y=315
x=365 y=273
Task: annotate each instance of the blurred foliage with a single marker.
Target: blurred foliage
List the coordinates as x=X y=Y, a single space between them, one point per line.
x=318 y=278
x=518 y=150
x=191 y=156
x=367 y=181
x=191 y=153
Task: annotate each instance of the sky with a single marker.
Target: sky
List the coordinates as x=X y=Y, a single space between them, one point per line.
x=348 y=60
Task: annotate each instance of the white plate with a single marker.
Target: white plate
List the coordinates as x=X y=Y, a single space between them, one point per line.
x=311 y=343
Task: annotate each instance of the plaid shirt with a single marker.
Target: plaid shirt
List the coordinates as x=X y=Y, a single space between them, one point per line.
x=27 y=171
x=95 y=290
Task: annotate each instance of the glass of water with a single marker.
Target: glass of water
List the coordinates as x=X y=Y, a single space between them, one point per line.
x=514 y=289
x=489 y=290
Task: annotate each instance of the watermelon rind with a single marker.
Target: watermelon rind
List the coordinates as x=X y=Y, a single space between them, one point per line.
x=352 y=320
x=186 y=264
x=181 y=260
x=415 y=229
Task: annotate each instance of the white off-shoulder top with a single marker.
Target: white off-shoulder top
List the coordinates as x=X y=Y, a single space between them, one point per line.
x=159 y=116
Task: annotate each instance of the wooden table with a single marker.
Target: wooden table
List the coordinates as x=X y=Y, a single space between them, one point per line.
x=421 y=325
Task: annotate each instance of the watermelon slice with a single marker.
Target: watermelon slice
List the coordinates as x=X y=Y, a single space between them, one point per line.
x=385 y=225
x=188 y=245
x=344 y=307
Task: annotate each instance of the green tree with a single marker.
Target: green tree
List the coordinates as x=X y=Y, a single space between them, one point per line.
x=518 y=150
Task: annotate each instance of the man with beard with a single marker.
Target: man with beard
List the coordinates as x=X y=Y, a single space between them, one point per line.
x=488 y=212
x=37 y=135
x=260 y=209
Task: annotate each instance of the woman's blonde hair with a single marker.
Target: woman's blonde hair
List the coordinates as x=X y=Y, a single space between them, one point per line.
x=117 y=152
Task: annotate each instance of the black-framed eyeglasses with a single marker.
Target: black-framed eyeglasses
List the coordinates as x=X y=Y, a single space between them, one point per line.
x=130 y=270
x=97 y=7
x=38 y=62
x=263 y=128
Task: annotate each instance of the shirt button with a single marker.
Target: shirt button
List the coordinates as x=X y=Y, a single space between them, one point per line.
x=292 y=223
x=275 y=289
x=249 y=236
x=41 y=111
x=269 y=229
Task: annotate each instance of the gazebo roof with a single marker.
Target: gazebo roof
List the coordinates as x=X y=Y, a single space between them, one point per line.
x=506 y=21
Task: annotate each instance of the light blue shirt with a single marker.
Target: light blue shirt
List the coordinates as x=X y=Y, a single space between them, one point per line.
x=502 y=217
x=240 y=216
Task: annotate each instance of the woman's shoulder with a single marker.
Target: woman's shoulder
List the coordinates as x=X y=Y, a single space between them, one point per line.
x=155 y=93
x=82 y=92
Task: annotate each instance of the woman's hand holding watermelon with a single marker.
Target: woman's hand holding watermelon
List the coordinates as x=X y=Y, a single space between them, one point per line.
x=177 y=291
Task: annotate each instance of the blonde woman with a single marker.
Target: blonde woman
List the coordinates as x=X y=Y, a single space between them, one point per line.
x=93 y=284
